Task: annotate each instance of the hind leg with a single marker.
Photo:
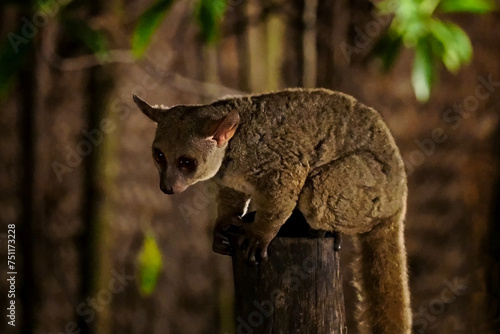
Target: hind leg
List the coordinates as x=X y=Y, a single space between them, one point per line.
x=358 y=195
x=350 y=195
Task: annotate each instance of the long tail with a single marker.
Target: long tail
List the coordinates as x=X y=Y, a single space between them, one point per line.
x=381 y=279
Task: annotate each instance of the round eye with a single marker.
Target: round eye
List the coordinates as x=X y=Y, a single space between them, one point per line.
x=186 y=163
x=158 y=156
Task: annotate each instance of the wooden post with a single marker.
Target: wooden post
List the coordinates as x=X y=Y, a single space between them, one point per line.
x=298 y=290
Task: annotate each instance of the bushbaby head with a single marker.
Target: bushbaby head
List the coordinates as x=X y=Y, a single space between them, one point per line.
x=189 y=144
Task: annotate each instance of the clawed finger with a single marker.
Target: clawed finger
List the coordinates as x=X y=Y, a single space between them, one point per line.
x=256 y=251
x=242 y=242
x=263 y=254
x=221 y=244
x=251 y=251
x=222 y=249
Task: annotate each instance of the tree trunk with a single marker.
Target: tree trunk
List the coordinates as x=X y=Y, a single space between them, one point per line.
x=298 y=290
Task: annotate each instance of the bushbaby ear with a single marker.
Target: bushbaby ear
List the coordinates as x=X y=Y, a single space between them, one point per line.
x=223 y=129
x=152 y=112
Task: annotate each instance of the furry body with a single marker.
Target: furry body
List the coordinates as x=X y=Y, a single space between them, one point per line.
x=320 y=151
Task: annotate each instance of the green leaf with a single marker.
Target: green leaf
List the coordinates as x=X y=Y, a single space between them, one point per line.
x=471 y=6
x=148 y=23
x=388 y=48
x=209 y=14
x=150 y=264
x=13 y=53
x=388 y=6
x=422 y=76
x=93 y=39
x=462 y=42
x=47 y=5
x=456 y=45
x=433 y=40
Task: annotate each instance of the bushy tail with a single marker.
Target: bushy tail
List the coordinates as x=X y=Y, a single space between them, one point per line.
x=381 y=279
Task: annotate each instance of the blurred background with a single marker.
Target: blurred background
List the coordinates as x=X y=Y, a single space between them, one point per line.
x=100 y=249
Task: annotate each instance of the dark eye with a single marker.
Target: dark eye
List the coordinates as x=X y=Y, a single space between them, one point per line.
x=158 y=156
x=186 y=164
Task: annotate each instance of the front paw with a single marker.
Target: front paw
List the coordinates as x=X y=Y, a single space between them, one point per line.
x=254 y=247
x=226 y=232
x=221 y=243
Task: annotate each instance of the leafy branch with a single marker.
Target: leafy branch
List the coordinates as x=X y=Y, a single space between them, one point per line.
x=416 y=25
x=208 y=14
x=14 y=50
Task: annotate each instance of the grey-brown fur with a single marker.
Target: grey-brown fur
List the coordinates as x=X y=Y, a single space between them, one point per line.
x=319 y=150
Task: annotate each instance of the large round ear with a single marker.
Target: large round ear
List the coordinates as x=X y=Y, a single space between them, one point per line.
x=152 y=112
x=223 y=129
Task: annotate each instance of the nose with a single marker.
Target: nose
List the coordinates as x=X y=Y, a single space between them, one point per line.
x=166 y=189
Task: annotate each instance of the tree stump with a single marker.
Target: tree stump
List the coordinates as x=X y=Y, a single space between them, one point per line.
x=298 y=290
